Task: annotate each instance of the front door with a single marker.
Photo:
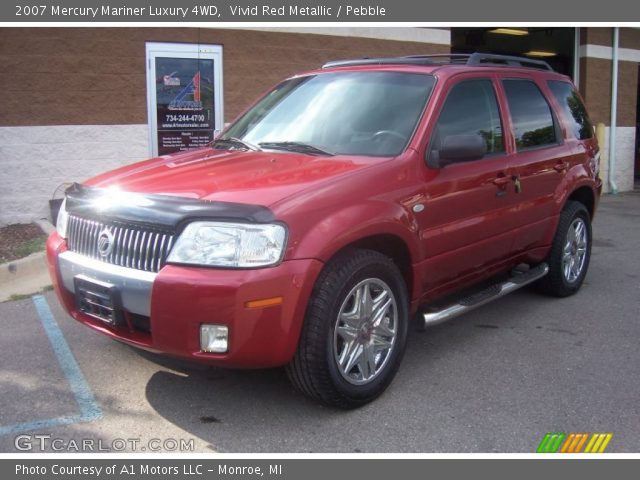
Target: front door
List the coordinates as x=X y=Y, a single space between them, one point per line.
x=468 y=221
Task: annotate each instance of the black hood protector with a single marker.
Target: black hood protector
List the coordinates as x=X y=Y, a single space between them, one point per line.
x=163 y=212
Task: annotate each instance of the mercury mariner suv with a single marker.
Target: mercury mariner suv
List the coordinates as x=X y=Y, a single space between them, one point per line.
x=343 y=203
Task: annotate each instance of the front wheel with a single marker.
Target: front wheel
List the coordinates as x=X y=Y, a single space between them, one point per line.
x=355 y=330
x=570 y=252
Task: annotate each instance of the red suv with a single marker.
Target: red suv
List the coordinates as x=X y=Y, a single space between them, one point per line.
x=342 y=204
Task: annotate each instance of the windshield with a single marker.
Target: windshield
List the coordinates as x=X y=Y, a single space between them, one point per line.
x=349 y=113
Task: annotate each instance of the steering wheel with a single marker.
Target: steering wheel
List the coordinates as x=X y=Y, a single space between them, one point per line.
x=391 y=133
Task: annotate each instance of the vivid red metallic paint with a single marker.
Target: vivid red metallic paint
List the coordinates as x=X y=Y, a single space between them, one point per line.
x=466 y=232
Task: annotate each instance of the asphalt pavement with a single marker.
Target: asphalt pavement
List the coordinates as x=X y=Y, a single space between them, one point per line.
x=495 y=380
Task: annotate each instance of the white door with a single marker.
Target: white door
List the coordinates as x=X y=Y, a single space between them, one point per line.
x=184 y=95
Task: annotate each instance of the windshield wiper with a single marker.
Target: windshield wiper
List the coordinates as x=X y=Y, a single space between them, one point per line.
x=295 y=147
x=233 y=141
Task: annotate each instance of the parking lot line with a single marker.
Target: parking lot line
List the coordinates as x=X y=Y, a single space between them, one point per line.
x=89 y=408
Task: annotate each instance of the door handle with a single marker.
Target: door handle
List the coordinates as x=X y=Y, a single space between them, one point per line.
x=561 y=167
x=501 y=181
x=517 y=184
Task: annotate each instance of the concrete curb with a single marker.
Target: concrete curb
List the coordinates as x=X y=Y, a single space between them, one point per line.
x=26 y=275
x=46 y=226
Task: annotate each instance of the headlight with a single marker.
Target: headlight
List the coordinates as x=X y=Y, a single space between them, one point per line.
x=61 y=222
x=229 y=244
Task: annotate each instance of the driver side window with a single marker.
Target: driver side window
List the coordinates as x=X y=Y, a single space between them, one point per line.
x=471 y=108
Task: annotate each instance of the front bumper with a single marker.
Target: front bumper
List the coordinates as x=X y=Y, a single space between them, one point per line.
x=172 y=304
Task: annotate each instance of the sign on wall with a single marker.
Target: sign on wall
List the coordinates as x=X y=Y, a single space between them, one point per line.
x=184 y=83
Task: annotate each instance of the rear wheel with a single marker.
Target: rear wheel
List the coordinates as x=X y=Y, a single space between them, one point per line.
x=355 y=330
x=570 y=252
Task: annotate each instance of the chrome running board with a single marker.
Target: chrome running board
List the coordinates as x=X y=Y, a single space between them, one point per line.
x=471 y=302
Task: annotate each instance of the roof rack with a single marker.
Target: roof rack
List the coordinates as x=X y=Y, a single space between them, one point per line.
x=512 y=61
x=473 y=59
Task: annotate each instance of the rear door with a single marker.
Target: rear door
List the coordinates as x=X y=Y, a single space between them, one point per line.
x=467 y=225
x=540 y=159
x=580 y=135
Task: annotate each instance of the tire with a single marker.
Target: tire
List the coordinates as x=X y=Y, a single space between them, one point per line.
x=348 y=355
x=573 y=235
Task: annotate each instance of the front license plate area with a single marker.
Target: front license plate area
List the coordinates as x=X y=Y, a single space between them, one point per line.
x=99 y=300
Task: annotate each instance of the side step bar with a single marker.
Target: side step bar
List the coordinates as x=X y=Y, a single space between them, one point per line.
x=516 y=281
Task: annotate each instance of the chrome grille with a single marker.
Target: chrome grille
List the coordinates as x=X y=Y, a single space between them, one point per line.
x=134 y=246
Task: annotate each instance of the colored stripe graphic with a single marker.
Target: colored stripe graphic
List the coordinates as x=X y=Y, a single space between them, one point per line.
x=573 y=442
x=550 y=443
x=598 y=443
x=568 y=444
x=579 y=445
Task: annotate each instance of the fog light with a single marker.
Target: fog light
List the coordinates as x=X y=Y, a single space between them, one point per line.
x=214 y=338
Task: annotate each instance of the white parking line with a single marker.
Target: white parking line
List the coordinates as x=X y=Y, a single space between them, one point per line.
x=89 y=408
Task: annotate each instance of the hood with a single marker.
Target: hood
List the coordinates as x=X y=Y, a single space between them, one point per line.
x=261 y=178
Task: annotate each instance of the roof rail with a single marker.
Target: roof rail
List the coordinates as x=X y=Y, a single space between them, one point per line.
x=512 y=61
x=474 y=59
x=415 y=60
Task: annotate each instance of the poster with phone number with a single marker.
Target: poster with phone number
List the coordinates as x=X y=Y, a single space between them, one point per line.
x=184 y=103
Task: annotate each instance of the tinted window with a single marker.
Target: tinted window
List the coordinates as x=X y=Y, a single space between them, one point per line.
x=573 y=108
x=530 y=113
x=471 y=108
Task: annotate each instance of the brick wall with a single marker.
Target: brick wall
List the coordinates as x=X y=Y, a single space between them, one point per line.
x=74 y=100
x=595 y=86
x=96 y=76
x=595 y=77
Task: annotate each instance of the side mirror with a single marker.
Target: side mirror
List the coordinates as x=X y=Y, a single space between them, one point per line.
x=458 y=148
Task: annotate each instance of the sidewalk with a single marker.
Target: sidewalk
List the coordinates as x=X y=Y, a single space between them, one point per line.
x=27 y=275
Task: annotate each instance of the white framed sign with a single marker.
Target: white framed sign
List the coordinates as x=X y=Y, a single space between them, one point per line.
x=184 y=95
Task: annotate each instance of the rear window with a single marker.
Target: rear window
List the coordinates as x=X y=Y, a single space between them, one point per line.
x=573 y=108
x=530 y=114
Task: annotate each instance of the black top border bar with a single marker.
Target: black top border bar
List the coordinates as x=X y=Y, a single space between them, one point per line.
x=326 y=11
